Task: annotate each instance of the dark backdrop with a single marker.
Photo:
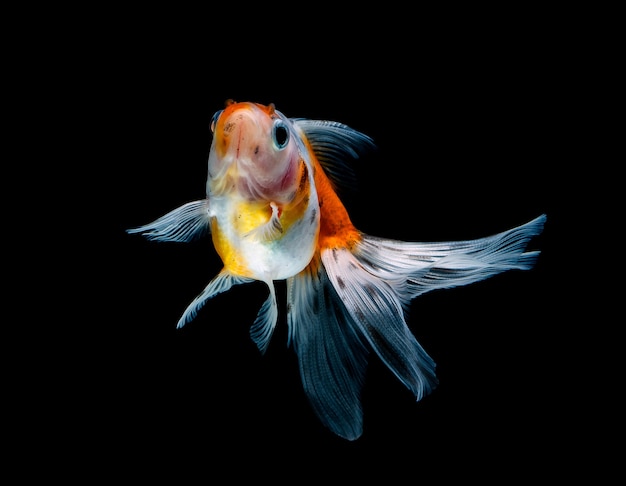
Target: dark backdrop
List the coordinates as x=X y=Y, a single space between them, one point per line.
x=470 y=125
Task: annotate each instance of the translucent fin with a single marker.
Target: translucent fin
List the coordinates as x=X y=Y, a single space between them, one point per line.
x=183 y=224
x=333 y=144
x=270 y=230
x=222 y=282
x=263 y=327
x=332 y=354
x=377 y=311
x=415 y=268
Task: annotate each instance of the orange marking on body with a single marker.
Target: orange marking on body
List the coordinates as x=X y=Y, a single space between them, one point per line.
x=294 y=210
x=336 y=229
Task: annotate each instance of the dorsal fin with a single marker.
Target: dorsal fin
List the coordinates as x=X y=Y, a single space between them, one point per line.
x=334 y=145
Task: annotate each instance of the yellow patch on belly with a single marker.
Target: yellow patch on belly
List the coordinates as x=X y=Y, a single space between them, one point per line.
x=248 y=216
x=228 y=248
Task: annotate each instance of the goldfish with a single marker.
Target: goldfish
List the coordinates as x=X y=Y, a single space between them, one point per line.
x=273 y=212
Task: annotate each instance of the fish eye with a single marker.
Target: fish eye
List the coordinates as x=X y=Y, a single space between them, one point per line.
x=280 y=134
x=216 y=116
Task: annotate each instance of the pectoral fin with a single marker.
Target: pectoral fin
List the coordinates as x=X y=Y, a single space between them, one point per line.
x=271 y=230
x=183 y=224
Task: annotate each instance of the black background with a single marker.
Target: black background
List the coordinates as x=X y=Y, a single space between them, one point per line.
x=472 y=124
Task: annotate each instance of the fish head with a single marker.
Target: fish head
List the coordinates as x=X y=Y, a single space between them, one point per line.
x=254 y=152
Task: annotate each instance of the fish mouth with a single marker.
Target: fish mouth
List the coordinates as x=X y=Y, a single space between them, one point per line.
x=239 y=130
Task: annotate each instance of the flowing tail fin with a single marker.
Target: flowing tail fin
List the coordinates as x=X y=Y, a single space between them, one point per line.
x=349 y=303
x=332 y=351
x=413 y=268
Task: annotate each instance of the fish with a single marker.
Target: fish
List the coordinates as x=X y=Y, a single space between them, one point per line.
x=273 y=211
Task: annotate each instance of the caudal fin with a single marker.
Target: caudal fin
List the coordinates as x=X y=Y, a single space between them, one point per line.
x=349 y=303
x=337 y=314
x=413 y=268
x=332 y=351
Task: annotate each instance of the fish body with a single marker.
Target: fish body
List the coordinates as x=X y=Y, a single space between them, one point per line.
x=261 y=193
x=273 y=213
